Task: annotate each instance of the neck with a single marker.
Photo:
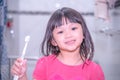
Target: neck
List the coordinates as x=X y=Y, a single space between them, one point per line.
x=70 y=58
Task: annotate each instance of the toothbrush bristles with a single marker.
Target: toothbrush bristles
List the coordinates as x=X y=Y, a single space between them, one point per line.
x=27 y=38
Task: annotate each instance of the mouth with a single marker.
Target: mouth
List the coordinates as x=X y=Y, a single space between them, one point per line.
x=70 y=42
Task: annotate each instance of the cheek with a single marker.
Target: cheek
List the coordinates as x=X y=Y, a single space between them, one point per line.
x=58 y=39
x=79 y=34
x=80 y=37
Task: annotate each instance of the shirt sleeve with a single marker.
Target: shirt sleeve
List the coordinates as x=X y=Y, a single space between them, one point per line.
x=40 y=70
x=98 y=74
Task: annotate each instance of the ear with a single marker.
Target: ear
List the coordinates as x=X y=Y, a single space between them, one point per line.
x=53 y=42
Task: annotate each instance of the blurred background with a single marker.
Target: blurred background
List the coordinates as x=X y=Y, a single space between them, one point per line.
x=19 y=18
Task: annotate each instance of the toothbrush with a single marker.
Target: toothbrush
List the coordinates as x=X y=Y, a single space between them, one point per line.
x=27 y=38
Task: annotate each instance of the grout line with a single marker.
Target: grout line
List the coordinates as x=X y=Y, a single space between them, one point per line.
x=41 y=13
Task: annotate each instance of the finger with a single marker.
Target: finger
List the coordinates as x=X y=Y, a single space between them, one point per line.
x=16 y=70
x=16 y=67
x=19 y=60
x=19 y=67
x=24 y=63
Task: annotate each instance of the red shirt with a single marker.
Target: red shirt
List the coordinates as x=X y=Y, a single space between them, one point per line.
x=50 y=68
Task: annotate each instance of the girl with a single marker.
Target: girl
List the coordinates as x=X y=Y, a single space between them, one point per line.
x=68 y=51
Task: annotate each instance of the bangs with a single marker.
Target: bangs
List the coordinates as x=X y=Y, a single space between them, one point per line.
x=61 y=20
x=57 y=21
x=73 y=18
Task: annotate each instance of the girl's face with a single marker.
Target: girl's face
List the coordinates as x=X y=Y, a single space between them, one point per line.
x=68 y=37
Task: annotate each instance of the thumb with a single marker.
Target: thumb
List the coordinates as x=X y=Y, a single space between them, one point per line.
x=24 y=63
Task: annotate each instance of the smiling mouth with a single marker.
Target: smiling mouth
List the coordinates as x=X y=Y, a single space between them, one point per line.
x=70 y=42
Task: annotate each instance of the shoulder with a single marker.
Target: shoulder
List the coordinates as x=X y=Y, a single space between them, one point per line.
x=92 y=65
x=41 y=67
x=46 y=59
x=96 y=70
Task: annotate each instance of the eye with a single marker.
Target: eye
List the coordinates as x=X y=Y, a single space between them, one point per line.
x=74 y=28
x=59 y=32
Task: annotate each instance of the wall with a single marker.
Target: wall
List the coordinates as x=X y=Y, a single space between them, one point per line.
x=107 y=45
x=30 y=18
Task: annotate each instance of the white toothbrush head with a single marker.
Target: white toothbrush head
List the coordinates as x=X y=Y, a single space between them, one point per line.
x=27 y=38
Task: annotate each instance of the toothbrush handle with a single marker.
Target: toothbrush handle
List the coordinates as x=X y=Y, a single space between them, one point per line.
x=15 y=77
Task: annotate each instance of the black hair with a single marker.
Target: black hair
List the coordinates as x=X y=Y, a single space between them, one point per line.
x=86 y=48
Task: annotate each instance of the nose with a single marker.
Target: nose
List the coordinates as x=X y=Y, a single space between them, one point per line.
x=68 y=33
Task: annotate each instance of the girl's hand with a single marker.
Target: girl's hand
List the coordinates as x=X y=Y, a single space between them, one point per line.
x=19 y=68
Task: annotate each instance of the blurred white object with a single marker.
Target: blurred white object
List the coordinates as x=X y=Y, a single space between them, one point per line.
x=101 y=9
x=57 y=5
